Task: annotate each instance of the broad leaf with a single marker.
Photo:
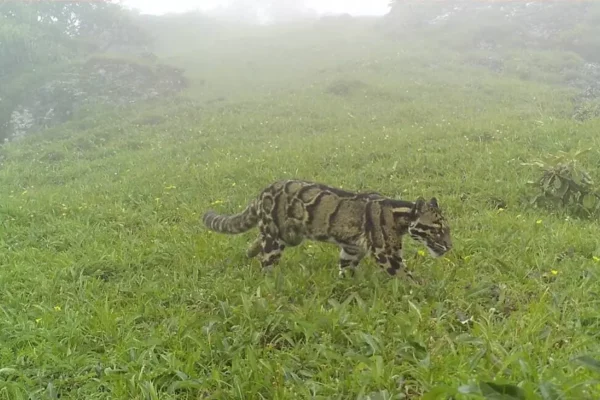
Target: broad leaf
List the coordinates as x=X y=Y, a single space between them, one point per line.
x=588 y=362
x=589 y=201
x=549 y=392
x=496 y=391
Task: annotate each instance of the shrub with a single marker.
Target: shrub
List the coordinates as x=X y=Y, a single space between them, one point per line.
x=564 y=184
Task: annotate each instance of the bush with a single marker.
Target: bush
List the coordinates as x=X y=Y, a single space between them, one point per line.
x=564 y=184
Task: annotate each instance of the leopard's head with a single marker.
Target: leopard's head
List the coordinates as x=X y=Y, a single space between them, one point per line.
x=430 y=227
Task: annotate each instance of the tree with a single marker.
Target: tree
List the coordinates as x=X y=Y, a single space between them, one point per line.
x=36 y=35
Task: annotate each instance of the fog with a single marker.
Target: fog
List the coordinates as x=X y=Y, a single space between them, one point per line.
x=262 y=11
x=279 y=199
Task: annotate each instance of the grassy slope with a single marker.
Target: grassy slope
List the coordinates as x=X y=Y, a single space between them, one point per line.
x=112 y=289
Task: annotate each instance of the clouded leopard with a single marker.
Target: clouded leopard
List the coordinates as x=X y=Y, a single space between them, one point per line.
x=289 y=211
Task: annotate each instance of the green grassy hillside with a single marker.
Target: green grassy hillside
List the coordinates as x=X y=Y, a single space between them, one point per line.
x=111 y=288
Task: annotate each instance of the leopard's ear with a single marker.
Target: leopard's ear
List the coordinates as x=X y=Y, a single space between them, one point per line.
x=419 y=206
x=433 y=203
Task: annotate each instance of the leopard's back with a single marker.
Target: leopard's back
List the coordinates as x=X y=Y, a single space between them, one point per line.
x=300 y=209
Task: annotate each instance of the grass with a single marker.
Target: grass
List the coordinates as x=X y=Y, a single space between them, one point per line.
x=111 y=288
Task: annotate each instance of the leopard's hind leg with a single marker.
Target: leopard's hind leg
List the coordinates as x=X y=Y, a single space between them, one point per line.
x=268 y=246
x=349 y=259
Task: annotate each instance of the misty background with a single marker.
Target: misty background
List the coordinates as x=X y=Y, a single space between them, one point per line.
x=262 y=11
x=59 y=57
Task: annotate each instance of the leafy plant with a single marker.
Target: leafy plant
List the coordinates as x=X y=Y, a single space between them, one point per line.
x=565 y=184
x=586 y=110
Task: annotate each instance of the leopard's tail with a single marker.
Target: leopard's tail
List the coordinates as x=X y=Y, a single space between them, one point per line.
x=232 y=224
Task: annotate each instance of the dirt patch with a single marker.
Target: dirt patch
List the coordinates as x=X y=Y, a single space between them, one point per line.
x=345 y=87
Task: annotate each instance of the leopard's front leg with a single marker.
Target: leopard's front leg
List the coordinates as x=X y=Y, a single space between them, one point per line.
x=391 y=260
